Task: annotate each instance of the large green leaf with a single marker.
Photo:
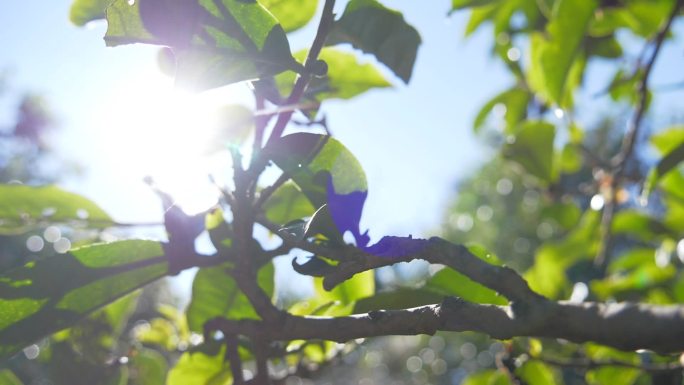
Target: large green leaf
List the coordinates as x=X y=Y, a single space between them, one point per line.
x=553 y=54
x=215 y=42
x=83 y=11
x=292 y=14
x=51 y=294
x=345 y=79
x=200 y=368
x=216 y=294
x=24 y=207
x=383 y=32
x=532 y=148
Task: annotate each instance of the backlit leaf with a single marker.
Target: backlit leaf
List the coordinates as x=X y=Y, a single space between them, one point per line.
x=24 y=207
x=216 y=294
x=383 y=32
x=83 y=11
x=345 y=79
x=553 y=54
x=292 y=14
x=200 y=368
x=215 y=42
x=51 y=294
x=287 y=204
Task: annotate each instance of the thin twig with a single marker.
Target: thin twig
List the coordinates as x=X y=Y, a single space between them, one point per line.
x=619 y=162
x=233 y=356
x=303 y=79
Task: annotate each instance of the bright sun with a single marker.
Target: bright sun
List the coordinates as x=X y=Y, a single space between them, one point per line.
x=165 y=133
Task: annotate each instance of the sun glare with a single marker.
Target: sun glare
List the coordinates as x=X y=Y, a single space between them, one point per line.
x=157 y=130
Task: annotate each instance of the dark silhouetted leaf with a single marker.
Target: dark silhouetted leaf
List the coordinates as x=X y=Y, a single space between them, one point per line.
x=380 y=31
x=314 y=266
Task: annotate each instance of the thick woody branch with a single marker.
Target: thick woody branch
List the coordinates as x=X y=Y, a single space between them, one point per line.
x=608 y=324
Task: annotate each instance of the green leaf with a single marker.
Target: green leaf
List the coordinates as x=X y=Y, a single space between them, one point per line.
x=604 y=46
x=199 y=368
x=292 y=14
x=25 y=207
x=515 y=101
x=383 y=32
x=361 y=285
x=666 y=141
x=640 y=225
x=215 y=42
x=346 y=77
x=397 y=299
x=548 y=274
x=449 y=282
x=51 y=294
x=8 y=378
x=216 y=294
x=488 y=377
x=612 y=375
x=150 y=367
x=478 y=16
x=287 y=204
x=672 y=159
x=553 y=54
x=535 y=372
x=452 y=283
x=83 y=11
x=532 y=148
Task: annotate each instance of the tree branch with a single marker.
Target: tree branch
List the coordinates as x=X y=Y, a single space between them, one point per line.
x=608 y=324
